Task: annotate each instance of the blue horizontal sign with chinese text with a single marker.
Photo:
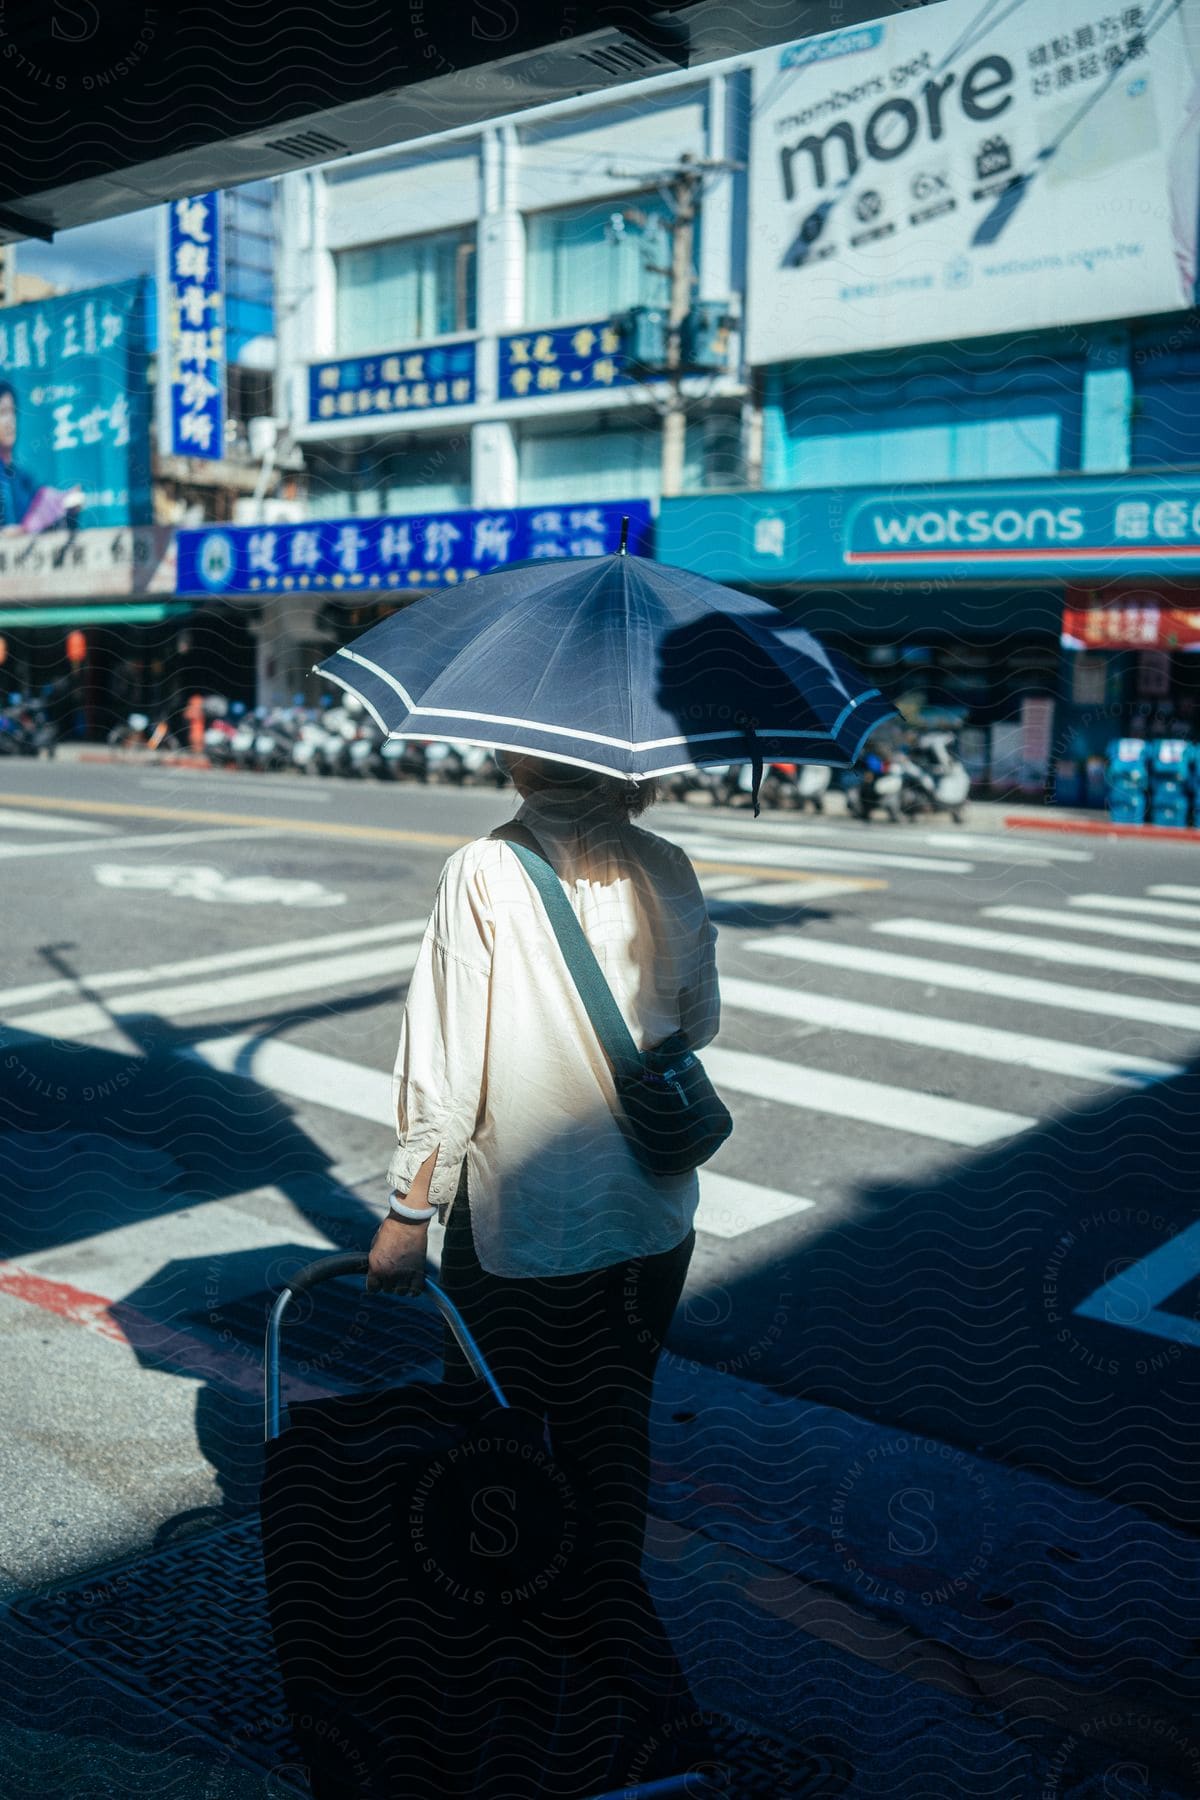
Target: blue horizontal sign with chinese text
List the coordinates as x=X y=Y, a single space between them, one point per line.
x=383 y=555
x=396 y=381
x=195 y=323
x=533 y=363
x=1052 y=529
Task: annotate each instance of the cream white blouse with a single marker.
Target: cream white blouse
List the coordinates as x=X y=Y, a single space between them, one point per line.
x=498 y=1061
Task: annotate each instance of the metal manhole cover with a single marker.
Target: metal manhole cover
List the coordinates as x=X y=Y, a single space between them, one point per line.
x=187 y=1628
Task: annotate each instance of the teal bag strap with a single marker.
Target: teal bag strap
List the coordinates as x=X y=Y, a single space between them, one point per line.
x=597 y=996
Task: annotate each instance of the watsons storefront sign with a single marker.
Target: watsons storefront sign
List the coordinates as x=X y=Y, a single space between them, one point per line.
x=982 y=526
x=1055 y=528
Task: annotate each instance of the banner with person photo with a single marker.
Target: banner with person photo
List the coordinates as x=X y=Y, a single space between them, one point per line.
x=75 y=411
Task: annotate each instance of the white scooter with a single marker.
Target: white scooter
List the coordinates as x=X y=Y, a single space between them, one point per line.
x=934 y=778
x=877 y=786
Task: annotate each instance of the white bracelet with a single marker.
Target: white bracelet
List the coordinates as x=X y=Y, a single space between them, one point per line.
x=397 y=1210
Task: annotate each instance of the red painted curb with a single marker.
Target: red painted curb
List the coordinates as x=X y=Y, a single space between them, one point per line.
x=1100 y=827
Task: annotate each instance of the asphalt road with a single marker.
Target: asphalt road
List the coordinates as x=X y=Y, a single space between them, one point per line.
x=954 y=1231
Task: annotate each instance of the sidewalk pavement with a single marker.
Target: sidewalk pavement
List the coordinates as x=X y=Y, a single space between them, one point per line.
x=995 y=1656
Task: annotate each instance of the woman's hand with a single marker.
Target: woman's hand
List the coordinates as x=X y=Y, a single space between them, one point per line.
x=397 y=1254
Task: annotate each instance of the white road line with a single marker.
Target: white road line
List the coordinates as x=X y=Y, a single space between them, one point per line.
x=801 y=856
x=1123 y=1298
x=728 y=1207
x=1061 y=950
x=1159 y=909
x=717 y=884
x=87 y=1019
x=1172 y=891
x=140 y=842
x=303 y=789
x=1080 y=1061
x=1004 y=847
x=994 y=846
x=1151 y=933
x=993 y=983
x=288 y=949
x=780 y=893
x=203 y=1242
x=311 y=1075
x=871 y=1102
x=13 y=819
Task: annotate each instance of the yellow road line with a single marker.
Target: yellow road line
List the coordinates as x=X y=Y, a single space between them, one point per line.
x=377 y=834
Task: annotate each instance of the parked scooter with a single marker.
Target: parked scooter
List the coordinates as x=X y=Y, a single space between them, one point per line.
x=445 y=762
x=137 y=733
x=402 y=759
x=479 y=767
x=26 y=729
x=875 y=787
x=933 y=777
x=790 y=786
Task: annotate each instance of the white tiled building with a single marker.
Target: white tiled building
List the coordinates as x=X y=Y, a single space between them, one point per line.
x=460 y=242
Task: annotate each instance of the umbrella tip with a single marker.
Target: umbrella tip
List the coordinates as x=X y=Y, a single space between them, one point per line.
x=624 y=534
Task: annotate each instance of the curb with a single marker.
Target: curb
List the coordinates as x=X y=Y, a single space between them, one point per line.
x=1101 y=827
x=151 y=758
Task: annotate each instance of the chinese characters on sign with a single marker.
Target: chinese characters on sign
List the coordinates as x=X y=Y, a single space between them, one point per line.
x=399 y=381
x=1138 y=627
x=195 y=327
x=382 y=554
x=553 y=362
x=1092 y=50
x=78 y=413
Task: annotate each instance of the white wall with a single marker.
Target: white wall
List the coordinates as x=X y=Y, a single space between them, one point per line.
x=400 y=197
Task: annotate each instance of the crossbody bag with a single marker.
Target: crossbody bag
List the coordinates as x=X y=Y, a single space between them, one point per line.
x=674 y=1119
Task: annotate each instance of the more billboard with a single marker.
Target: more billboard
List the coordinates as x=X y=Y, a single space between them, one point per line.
x=962 y=170
x=75 y=411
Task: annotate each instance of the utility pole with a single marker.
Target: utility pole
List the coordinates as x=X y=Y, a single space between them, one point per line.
x=683 y=192
x=682 y=186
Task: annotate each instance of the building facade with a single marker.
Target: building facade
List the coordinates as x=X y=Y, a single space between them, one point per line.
x=948 y=268
x=455 y=342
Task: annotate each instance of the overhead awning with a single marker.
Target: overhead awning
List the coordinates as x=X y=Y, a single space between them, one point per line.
x=135 y=613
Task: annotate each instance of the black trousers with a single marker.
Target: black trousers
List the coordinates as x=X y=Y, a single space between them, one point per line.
x=580 y=1350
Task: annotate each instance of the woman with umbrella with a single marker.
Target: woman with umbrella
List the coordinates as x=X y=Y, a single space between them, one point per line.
x=563 y=1250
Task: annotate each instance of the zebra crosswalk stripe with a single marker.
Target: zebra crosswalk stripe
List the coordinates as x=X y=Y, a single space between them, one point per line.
x=1159 y=909
x=996 y=984
x=728 y=1207
x=803 y=856
x=870 y=1102
x=88 y=1019
x=1097 y=922
x=289 y=949
x=1060 y=950
x=1021 y=1049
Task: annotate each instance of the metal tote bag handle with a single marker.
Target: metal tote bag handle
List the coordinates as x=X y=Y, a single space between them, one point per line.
x=356 y=1262
x=597 y=996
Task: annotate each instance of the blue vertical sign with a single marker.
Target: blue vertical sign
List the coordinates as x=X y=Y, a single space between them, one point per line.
x=195 y=327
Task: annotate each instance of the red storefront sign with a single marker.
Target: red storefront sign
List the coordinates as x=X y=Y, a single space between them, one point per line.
x=1131 y=625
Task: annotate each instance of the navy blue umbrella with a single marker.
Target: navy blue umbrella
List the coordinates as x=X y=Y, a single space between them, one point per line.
x=613 y=663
